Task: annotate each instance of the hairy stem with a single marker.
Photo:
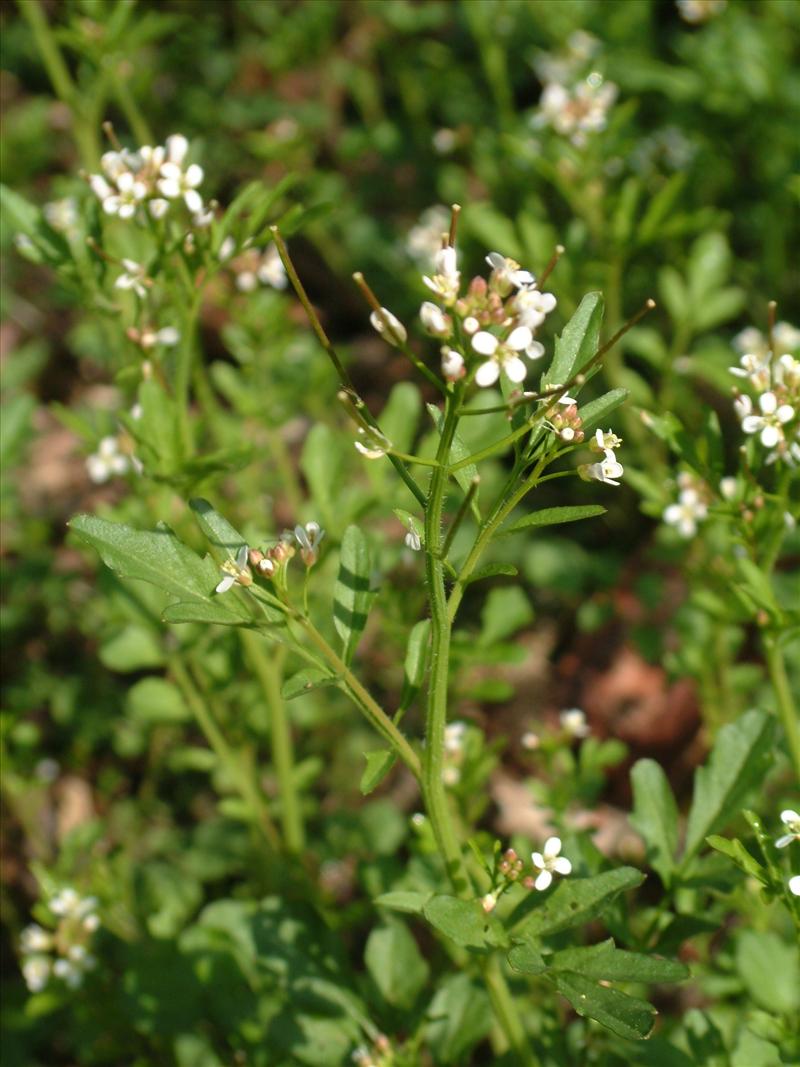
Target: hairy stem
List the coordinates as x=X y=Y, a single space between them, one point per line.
x=787 y=712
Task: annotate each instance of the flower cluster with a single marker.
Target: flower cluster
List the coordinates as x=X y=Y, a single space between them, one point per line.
x=791 y=820
x=608 y=470
x=774 y=418
x=578 y=110
x=691 y=507
x=696 y=11
x=237 y=569
x=63 y=951
x=253 y=266
x=151 y=179
x=508 y=869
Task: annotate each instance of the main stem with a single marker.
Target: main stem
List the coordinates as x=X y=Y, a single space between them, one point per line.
x=433 y=758
x=267 y=668
x=786 y=706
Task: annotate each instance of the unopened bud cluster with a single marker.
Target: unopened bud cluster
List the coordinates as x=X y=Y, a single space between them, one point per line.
x=774 y=418
x=268 y=563
x=509 y=868
x=60 y=953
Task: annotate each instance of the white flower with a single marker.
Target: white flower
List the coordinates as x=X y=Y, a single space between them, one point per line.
x=452 y=364
x=167 y=336
x=271 y=270
x=107 y=461
x=447 y=277
x=436 y=323
x=308 y=538
x=489 y=902
x=389 y=327
x=133 y=278
x=68 y=972
x=235 y=571
x=177 y=146
x=35 y=939
x=769 y=424
x=175 y=182
x=607 y=471
x=130 y=192
x=62 y=215
x=532 y=307
x=756 y=367
x=605 y=440
x=728 y=487
x=501 y=354
x=787 y=371
x=794 y=885
x=685 y=515
x=573 y=720
x=454 y=734
x=158 y=207
x=226 y=249
x=550 y=862
x=507 y=274
x=451 y=775
x=246 y=281
x=530 y=741
x=791 y=820
x=65 y=902
x=425 y=239
x=90 y=922
x=36 y=971
x=444 y=141
x=696 y=11
x=413 y=540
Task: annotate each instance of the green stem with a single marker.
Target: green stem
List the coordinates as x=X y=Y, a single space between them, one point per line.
x=787 y=711
x=183 y=371
x=268 y=670
x=130 y=108
x=436 y=721
x=235 y=766
x=505 y=1011
x=372 y=710
x=61 y=79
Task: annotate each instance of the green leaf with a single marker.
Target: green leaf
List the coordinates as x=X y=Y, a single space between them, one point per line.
x=460 y=1016
x=464 y=922
x=155 y=700
x=221 y=610
x=404 y=900
x=741 y=753
x=157 y=430
x=573 y=902
x=220 y=534
x=492 y=570
x=395 y=964
x=505 y=611
x=416 y=662
x=379 y=764
x=400 y=417
x=321 y=462
x=155 y=556
x=526 y=958
x=596 y=411
x=305 y=681
x=655 y=816
x=736 y=851
x=134 y=648
x=770 y=970
x=578 y=341
x=606 y=961
x=352 y=596
x=554 y=517
x=623 y=1015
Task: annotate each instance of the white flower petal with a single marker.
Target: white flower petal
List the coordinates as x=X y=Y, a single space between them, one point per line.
x=194 y=175
x=770 y=436
x=784 y=413
x=543 y=880
x=515 y=370
x=193 y=200
x=552 y=847
x=768 y=402
x=225 y=584
x=487 y=374
x=537 y=859
x=562 y=865
x=485 y=343
x=520 y=338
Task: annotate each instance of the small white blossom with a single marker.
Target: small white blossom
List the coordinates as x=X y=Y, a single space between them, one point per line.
x=604 y=440
x=35 y=938
x=308 y=538
x=550 y=862
x=446 y=280
x=532 y=306
x=454 y=735
x=794 y=885
x=271 y=270
x=507 y=274
x=696 y=11
x=434 y=320
x=235 y=571
x=501 y=355
x=107 y=461
x=489 y=902
x=175 y=182
x=444 y=141
x=452 y=364
x=389 y=327
x=578 y=111
x=36 y=972
x=451 y=775
x=530 y=741
x=573 y=720
x=607 y=471
x=425 y=239
x=687 y=513
x=158 y=207
x=226 y=249
x=769 y=424
x=134 y=277
x=728 y=487
x=68 y=972
x=791 y=820
x=124 y=202
x=62 y=215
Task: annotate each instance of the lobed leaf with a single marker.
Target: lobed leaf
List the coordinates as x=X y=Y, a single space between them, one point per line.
x=572 y=903
x=620 y=1013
